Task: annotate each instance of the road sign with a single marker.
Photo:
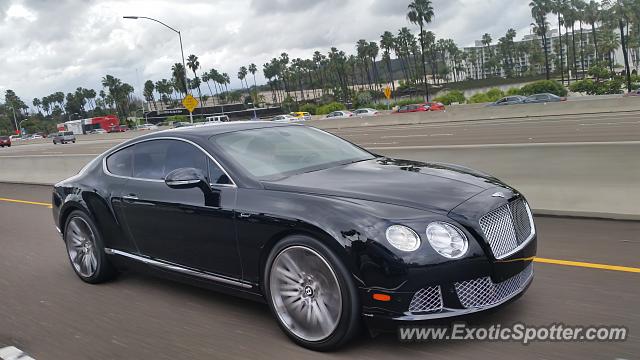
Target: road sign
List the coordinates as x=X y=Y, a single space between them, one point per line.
x=387 y=92
x=189 y=102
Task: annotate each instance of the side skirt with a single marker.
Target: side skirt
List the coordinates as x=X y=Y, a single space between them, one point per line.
x=180 y=269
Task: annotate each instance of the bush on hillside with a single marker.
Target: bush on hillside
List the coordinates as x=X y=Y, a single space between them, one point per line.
x=479 y=98
x=514 y=91
x=310 y=108
x=331 y=107
x=451 y=97
x=495 y=94
x=544 y=86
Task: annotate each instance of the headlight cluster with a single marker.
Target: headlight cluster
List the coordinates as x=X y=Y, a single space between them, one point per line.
x=445 y=239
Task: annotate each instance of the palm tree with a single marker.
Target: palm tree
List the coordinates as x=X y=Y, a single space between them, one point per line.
x=539 y=11
x=178 y=74
x=242 y=73
x=421 y=13
x=591 y=17
x=486 y=41
x=149 y=88
x=253 y=69
x=194 y=65
x=580 y=7
x=386 y=43
x=558 y=8
x=36 y=103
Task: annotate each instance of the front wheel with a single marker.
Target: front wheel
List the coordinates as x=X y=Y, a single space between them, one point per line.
x=86 y=249
x=311 y=294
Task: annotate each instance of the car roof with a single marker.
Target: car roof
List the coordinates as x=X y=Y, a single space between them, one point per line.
x=221 y=128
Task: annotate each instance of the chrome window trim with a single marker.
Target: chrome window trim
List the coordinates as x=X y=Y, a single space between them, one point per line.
x=111 y=152
x=178 y=268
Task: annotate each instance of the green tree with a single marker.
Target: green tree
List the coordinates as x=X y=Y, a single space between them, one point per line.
x=421 y=13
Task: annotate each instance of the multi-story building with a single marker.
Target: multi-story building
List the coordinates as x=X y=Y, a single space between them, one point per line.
x=527 y=55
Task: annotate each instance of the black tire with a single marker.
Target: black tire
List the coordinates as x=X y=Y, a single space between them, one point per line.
x=348 y=324
x=104 y=270
x=73 y=141
x=55 y=143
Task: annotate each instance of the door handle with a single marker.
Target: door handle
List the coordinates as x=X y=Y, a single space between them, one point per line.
x=244 y=215
x=130 y=197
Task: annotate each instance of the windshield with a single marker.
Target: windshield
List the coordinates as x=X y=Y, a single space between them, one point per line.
x=272 y=153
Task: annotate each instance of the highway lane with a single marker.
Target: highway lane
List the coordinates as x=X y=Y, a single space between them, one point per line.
x=50 y=314
x=557 y=129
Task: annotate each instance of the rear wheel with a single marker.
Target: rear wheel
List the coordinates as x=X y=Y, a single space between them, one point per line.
x=86 y=249
x=311 y=294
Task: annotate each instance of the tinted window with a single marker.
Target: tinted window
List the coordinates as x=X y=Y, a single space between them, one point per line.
x=155 y=159
x=120 y=163
x=68 y=133
x=271 y=153
x=216 y=175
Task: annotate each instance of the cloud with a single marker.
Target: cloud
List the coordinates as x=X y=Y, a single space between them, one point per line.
x=49 y=46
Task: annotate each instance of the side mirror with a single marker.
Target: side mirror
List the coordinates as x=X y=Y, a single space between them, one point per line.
x=185 y=178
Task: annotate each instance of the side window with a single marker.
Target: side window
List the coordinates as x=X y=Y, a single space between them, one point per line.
x=156 y=158
x=183 y=155
x=121 y=162
x=216 y=175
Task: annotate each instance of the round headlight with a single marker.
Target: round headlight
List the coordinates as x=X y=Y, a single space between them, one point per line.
x=403 y=238
x=447 y=240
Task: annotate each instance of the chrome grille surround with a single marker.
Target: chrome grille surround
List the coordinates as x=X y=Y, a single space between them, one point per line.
x=508 y=228
x=482 y=292
x=426 y=299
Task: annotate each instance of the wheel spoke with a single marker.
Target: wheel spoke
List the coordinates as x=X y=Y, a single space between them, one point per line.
x=305 y=293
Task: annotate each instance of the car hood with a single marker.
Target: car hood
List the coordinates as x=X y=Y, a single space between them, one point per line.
x=433 y=187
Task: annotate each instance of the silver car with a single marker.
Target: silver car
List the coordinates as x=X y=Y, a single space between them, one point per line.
x=64 y=137
x=366 y=112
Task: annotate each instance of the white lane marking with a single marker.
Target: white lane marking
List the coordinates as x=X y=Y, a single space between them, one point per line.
x=416 y=135
x=13 y=353
x=366 y=144
x=610 y=123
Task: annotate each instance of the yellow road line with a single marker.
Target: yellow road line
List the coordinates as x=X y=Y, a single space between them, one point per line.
x=26 y=202
x=588 y=265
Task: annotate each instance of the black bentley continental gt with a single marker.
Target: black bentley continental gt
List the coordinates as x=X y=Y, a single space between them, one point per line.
x=330 y=235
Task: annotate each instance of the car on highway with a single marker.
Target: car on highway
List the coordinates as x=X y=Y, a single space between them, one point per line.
x=339 y=114
x=15 y=137
x=35 y=137
x=284 y=118
x=543 y=98
x=366 y=112
x=98 y=131
x=64 y=137
x=509 y=100
x=330 y=235
x=147 y=127
x=117 y=129
x=301 y=115
x=5 y=141
x=632 y=93
x=217 y=118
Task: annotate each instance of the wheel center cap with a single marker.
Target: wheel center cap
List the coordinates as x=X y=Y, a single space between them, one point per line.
x=308 y=291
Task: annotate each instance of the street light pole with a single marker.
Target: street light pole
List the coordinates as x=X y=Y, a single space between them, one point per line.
x=184 y=65
x=15 y=121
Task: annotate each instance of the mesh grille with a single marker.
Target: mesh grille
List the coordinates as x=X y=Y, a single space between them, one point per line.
x=507 y=227
x=427 y=299
x=482 y=292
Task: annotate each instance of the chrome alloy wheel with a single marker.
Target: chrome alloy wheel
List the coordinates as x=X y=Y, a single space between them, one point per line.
x=305 y=293
x=81 y=247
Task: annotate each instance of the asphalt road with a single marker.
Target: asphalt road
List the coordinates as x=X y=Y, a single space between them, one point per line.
x=50 y=314
x=556 y=129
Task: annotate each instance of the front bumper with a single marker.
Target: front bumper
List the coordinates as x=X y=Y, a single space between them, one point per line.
x=449 y=299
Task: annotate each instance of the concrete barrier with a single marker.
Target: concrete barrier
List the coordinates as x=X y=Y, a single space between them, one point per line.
x=476 y=112
x=579 y=179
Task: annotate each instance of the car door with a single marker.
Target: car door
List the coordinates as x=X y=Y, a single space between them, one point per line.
x=191 y=227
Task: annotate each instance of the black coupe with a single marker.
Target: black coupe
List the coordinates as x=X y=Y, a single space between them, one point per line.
x=330 y=235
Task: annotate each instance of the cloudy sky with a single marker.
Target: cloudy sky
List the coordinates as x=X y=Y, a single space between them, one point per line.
x=58 y=45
